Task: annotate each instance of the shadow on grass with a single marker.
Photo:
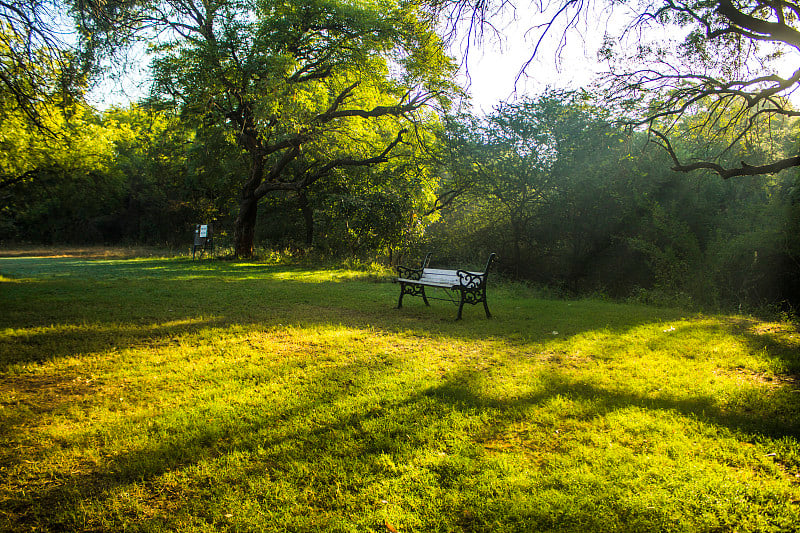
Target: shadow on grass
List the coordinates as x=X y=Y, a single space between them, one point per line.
x=52 y=319
x=777 y=341
x=459 y=391
x=297 y=444
x=308 y=432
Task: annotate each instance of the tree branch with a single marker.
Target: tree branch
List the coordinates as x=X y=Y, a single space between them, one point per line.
x=758 y=28
x=308 y=178
x=725 y=173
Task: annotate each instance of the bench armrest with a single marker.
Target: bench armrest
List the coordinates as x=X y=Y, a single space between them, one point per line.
x=471 y=280
x=413 y=273
x=409 y=273
x=475 y=280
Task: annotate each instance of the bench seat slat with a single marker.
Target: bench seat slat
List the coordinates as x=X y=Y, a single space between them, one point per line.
x=439 y=278
x=429 y=283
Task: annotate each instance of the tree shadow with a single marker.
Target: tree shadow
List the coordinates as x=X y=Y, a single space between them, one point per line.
x=51 y=506
x=460 y=389
x=777 y=341
x=276 y=441
x=304 y=443
x=53 y=318
x=406 y=421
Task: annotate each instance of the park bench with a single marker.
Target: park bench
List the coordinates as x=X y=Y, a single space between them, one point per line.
x=470 y=286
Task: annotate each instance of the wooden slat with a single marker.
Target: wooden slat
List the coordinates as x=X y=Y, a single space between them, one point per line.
x=427 y=283
x=439 y=277
x=436 y=277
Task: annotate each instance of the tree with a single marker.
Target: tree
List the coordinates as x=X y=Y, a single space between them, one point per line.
x=175 y=175
x=56 y=182
x=725 y=61
x=534 y=182
x=304 y=88
x=50 y=49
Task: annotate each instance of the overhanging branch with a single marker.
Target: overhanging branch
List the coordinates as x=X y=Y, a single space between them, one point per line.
x=725 y=173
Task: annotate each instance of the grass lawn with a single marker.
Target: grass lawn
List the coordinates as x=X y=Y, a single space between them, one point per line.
x=165 y=394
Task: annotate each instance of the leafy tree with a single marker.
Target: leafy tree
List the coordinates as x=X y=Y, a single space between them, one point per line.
x=358 y=211
x=382 y=210
x=128 y=175
x=50 y=50
x=175 y=174
x=304 y=88
x=536 y=179
x=58 y=180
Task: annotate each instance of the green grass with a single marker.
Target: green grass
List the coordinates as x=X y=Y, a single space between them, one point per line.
x=164 y=394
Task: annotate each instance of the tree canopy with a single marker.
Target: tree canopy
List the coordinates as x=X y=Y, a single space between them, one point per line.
x=50 y=50
x=666 y=59
x=317 y=85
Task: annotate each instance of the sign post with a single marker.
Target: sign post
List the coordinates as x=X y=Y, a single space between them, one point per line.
x=203 y=239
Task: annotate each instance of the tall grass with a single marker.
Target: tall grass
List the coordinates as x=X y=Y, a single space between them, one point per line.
x=166 y=394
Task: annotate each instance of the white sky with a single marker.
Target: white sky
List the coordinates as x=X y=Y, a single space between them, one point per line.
x=493 y=66
x=493 y=71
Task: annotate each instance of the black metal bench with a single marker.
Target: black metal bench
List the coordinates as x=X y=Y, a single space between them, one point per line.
x=471 y=286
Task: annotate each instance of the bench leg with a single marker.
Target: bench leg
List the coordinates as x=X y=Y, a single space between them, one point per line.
x=473 y=298
x=412 y=290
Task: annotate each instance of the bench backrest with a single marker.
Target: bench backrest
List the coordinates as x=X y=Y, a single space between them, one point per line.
x=456 y=277
x=434 y=275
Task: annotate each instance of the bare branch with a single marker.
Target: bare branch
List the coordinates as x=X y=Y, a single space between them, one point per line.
x=726 y=173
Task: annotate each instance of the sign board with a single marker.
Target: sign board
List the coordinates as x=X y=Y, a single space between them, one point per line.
x=203 y=239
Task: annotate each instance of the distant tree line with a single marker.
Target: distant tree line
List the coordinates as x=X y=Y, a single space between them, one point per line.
x=572 y=201
x=564 y=196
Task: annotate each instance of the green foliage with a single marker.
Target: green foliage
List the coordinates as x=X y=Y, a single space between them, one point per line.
x=304 y=88
x=376 y=210
x=51 y=51
x=545 y=181
x=59 y=183
x=572 y=202
x=176 y=175
x=316 y=114
x=123 y=176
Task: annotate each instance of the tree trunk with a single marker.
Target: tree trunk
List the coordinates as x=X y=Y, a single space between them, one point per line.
x=516 y=231
x=245 y=228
